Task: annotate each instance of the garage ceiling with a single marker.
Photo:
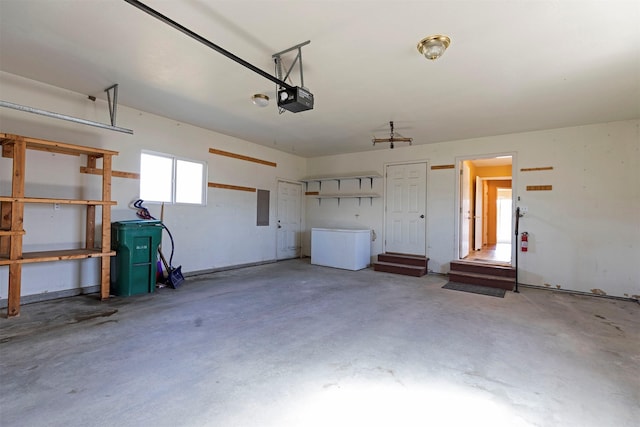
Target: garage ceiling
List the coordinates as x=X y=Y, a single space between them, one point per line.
x=512 y=66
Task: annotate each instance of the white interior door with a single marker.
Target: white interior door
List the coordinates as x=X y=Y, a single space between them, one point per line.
x=465 y=210
x=289 y=220
x=405 y=207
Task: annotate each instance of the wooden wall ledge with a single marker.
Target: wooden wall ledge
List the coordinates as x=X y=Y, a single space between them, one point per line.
x=544 y=168
x=51 y=146
x=117 y=174
x=59 y=201
x=241 y=157
x=539 y=187
x=231 y=187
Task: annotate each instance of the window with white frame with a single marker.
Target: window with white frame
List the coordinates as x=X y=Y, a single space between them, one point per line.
x=170 y=179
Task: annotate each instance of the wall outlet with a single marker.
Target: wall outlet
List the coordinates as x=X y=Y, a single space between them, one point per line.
x=56 y=206
x=524 y=209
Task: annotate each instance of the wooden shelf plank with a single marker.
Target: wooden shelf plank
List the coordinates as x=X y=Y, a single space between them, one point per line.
x=54 y=147
x=117 y=174
x=59 y=255
x=59 y=201
x=11 y=233
x=241 y=157
x=231 y=187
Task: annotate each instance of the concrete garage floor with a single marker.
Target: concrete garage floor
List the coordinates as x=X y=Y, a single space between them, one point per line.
x=293 y=344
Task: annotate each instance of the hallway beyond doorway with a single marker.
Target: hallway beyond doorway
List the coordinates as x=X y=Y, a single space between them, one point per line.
x=499 y=253
x=485 y=219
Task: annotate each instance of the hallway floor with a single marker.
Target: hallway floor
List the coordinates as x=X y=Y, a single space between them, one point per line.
x=293 y=344
x=499 y=253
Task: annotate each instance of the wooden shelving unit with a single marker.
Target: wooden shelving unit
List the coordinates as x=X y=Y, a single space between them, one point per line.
x=12 y=214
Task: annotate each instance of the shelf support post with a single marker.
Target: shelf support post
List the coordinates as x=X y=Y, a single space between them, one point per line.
x=105 y=261
x=17 y=215
x=90 y=231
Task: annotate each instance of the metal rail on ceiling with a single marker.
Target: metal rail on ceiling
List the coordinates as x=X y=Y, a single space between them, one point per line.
x=143 y=7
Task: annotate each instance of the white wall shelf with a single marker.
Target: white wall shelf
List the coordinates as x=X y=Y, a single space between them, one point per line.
x=339 y=196
x=358 y=175
x=343 y=177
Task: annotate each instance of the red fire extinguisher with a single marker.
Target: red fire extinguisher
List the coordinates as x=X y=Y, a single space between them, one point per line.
x=524 y=242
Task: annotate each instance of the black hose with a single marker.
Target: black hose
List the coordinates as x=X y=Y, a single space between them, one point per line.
x=145 y=214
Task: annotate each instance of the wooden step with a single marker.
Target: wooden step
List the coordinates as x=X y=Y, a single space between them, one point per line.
x=488 y=280
x=416 y=260
x=407 y=270
x=479 y=268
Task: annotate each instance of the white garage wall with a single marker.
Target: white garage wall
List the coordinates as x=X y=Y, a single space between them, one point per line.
x=584 y=234
x=222 y=234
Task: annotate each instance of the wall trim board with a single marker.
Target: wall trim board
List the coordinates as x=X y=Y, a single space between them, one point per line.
x=231 y=187
x=544 y=168
x=539 y=187
x=117 y=174
x=440 y=167
x=229 y=267
x=569 y=291
x=241 y=157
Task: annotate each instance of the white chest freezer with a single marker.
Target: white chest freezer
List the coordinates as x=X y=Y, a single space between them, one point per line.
x=349 y=249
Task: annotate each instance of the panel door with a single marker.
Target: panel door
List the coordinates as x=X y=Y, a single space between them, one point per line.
x=289 y=220
x=405 y=207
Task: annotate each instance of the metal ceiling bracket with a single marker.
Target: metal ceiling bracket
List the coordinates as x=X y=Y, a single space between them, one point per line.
x=277 y=59
x=63 y=117
x=113 y=105
x=298 y=59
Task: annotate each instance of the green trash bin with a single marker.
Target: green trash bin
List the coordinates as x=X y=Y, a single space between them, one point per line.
x=133 y=269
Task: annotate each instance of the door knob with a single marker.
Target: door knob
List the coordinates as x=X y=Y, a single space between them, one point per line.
x=421 y=216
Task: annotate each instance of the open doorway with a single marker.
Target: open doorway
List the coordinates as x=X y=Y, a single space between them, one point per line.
x=486 y=213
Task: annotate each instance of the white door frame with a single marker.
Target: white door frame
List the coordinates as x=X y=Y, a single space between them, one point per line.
x=465 y=217
x=457 y=206
x=277 y=208
x=384 y=204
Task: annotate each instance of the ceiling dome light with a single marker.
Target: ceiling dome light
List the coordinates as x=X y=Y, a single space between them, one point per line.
x=433 y=47
x=260 y=100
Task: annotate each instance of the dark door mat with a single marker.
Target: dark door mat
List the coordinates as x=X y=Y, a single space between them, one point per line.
x=475 y=289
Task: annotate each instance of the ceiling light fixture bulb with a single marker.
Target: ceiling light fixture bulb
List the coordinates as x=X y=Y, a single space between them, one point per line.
x=433 y=47
x=260 y=100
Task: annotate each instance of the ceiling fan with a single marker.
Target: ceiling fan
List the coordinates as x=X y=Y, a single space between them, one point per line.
x=392 y=138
